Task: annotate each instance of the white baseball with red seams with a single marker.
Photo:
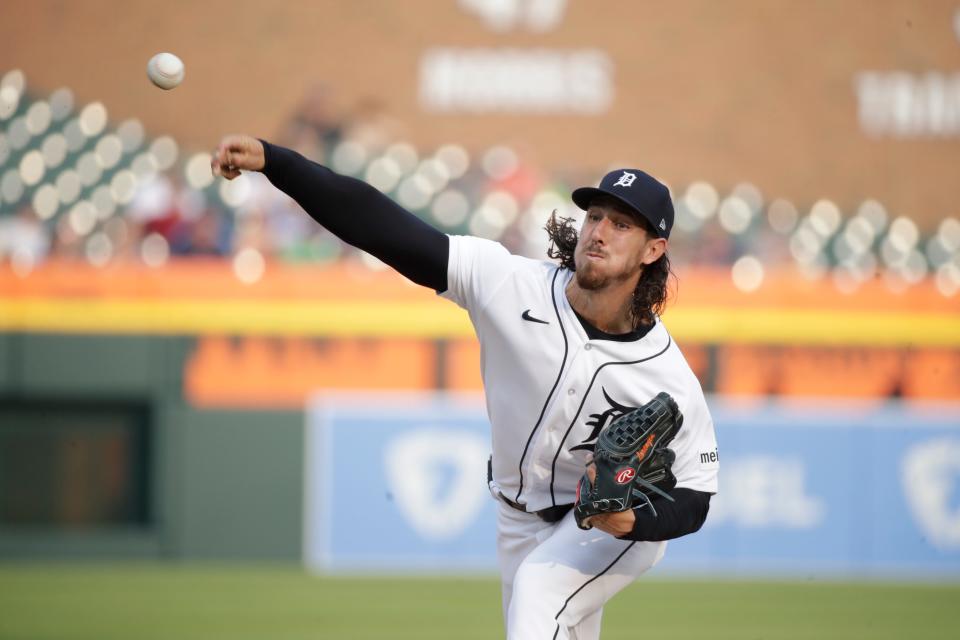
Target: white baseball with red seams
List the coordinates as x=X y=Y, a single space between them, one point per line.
x=549 y=389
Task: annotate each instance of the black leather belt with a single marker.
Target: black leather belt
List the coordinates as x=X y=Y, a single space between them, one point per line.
x=550 y=514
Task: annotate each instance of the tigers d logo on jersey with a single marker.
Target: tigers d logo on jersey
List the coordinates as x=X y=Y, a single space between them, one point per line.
x=625 y=475
x=598 y=421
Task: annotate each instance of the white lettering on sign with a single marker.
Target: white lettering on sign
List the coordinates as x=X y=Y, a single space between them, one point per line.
x=514 y=80
x=905 y=105
x=930 y=474
x=766 y=492
x=506 y=15
x=437 y=478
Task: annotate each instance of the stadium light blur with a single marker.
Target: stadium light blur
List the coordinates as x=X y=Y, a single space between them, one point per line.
x=4 y=149
x=688 y=218
x=455 y=158
x=144 y=166
x=17 y=133
x=348 y=158
x=11 y=186
x=949 y=233
x=825 y=218
x=54 y=150
x=414 y=192
x=93 y=119
x=734 y=215
x=487 y=222
x=249 y=265
x=89 y=169
x=874 y=213
x=947 y=278
x=383 y=174
x=38 y=118
x=123 y=186
x=500 y=162
x=9 y=100
x=68 y=186
x=131 y=135
x=749 y=193
x=46 y=201
x=703 y=199
x=903 y=234
x=236 y=192
x=747 y=273
x=98 y=249
x=435 y=173
x=109 y=150
x=197 y=171
x=858 y=234
x=74 y=135
x=32 y=168
x=154 y=250
x=505 y=203
x=61 y=104
x=83 y=217
x=165 y=151
x=103 y=202
x=404 y=155
x=14 y=80
x=450 y=208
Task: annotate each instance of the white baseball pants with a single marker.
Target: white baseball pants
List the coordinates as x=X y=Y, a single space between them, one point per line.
x=557 y=577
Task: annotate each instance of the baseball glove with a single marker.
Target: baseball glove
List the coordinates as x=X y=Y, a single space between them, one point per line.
x=632 y=461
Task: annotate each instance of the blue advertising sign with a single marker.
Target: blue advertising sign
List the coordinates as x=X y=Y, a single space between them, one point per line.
x=420 y=503
x=805 y=489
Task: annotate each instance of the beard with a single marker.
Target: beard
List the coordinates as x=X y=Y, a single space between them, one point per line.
x=589 y=278
x=594 y=276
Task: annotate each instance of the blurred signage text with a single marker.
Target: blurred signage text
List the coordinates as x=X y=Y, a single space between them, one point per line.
x=506 y=15
x=508 y=80
x=904 y=105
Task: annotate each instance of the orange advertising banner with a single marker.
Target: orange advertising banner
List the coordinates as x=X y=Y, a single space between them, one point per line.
x=298 y=329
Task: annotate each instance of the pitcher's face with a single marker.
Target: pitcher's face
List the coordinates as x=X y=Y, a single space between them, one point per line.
x=613 y=246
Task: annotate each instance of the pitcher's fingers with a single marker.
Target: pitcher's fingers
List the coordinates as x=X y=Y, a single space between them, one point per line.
x=236 y=158
x=234 y=144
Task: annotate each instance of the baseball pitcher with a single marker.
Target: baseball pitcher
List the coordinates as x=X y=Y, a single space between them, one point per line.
x=603 y=446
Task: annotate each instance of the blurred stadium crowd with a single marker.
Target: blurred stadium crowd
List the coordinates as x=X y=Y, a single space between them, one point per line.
x=75 y=185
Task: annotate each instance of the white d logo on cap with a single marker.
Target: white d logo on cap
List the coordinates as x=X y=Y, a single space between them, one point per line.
x=625 y=180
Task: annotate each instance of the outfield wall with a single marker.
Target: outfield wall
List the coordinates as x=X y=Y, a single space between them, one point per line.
x=824 y=489
x=220 y=483
x=162 y=414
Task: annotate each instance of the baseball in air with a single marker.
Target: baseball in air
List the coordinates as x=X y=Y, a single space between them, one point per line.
x=165 y=70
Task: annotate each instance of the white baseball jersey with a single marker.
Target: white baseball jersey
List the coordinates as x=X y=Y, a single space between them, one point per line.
x=550 y=389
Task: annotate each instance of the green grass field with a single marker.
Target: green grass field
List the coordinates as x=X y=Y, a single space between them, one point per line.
x=184 y=602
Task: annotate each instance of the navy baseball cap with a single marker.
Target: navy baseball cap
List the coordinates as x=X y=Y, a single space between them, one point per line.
x=639 y=191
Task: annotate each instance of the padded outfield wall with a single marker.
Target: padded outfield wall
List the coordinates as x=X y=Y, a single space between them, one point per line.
x=148 y=415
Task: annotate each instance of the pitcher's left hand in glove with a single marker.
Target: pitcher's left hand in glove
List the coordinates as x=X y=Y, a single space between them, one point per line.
x=631 y=461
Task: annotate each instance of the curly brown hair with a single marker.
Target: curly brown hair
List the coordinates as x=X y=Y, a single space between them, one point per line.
x=652 y=292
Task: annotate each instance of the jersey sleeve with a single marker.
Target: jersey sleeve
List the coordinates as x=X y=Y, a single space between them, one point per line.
x=697 y=463
x=476 y=269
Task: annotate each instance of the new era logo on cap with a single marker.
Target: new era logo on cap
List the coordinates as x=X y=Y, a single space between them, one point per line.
x=638 y=191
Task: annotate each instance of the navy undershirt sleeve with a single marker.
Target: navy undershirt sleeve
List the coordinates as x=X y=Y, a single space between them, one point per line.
x=673 y=519
x=361 y=216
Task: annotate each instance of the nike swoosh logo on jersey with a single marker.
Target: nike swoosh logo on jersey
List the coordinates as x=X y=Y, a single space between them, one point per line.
x=526 y=316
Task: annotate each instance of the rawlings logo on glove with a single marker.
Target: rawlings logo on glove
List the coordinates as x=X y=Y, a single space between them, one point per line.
x=632 y=461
